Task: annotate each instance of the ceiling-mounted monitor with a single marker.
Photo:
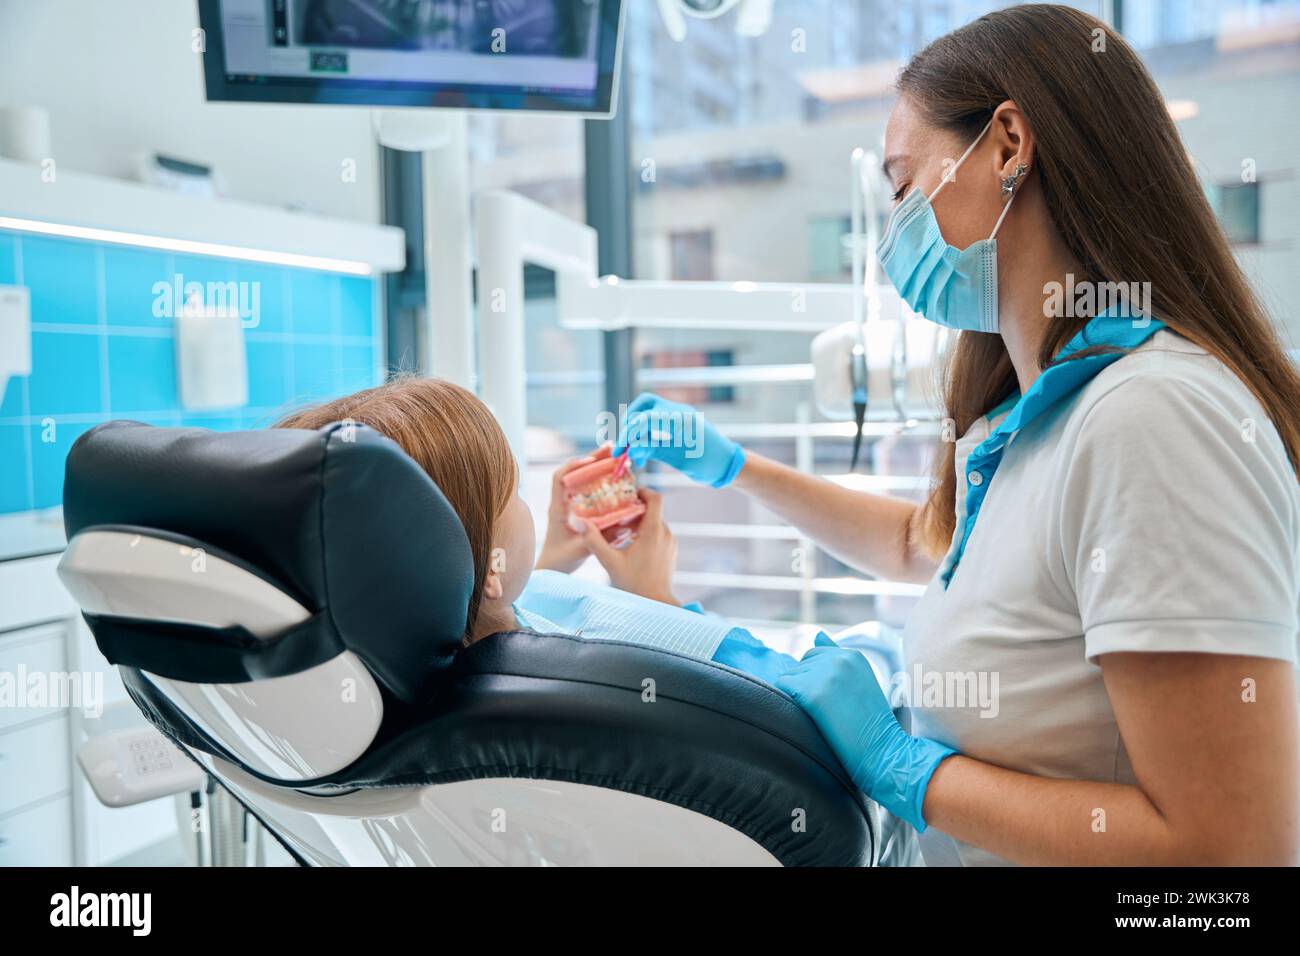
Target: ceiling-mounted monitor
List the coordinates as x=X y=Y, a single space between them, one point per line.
x=533 y=55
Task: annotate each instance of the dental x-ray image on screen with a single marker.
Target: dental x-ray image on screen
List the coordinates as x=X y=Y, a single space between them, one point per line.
x=562 y=28
x=536 y=55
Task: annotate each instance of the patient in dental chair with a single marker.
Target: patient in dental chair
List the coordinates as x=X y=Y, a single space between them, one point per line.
x=453 y=436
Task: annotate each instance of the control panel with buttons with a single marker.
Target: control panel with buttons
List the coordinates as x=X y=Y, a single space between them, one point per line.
x=132 y=766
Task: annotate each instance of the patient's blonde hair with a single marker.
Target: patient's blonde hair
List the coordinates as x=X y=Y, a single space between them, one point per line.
x=453 y=437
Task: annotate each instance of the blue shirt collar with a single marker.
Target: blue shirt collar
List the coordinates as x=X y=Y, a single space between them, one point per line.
x=1117 y=334
x=1064 y=378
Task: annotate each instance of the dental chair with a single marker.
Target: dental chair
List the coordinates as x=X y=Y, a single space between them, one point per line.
x=288 y=607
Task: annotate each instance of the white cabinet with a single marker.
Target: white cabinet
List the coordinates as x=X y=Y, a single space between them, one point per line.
x=40 y=836
x=54 y=684
x=30 y=654
x=36 y=764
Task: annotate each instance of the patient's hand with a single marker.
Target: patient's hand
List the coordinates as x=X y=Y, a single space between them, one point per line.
x=564 y=549
x=645 y=566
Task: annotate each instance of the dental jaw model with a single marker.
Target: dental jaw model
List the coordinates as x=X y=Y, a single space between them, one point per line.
x=603 y=494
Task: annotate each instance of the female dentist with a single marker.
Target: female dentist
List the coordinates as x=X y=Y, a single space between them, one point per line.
x=1116 y=532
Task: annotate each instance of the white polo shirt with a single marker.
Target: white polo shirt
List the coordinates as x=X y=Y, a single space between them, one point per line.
x=1156 y=510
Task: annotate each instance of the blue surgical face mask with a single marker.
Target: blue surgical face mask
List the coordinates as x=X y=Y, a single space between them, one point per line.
x=957 y=288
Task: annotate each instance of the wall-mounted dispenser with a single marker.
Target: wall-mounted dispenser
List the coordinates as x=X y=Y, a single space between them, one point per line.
x=211 y=363
x=15 y=333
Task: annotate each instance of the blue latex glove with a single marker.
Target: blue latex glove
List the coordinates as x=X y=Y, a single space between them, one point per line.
x=745 y=652
x=678 y=435
x=838 y=689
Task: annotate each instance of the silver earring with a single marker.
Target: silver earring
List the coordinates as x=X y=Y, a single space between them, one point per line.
x=1009 y=184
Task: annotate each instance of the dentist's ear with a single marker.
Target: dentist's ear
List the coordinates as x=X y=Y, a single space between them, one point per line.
x=1013 y=139
x=492 y=587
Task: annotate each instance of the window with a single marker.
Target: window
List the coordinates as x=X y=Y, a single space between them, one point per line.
x=829 y=257
x=537 y=156
x=738 y=165
x=1237 y=206
x=691 y=254
x=749 y=141
x=543 y=159
x=687 y=365
x=1229 y=71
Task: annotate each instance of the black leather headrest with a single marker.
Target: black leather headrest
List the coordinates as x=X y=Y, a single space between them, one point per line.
x=341 y=519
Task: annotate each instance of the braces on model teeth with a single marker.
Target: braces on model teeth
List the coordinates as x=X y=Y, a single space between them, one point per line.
x=603 y=494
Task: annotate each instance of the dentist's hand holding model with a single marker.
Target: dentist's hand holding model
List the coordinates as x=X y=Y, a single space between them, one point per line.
x=1115 y=535
x=657 y=428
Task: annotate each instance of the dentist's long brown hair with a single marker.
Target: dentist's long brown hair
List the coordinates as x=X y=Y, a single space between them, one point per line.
x=1122 y=193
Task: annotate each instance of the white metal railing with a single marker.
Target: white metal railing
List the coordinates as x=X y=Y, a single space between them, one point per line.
x=805 y=433
x=747 y=532
x=726 y=375
x=693 y=375
x=785 y=582
x=805 y=581
x=796 y=430
x=875 y=484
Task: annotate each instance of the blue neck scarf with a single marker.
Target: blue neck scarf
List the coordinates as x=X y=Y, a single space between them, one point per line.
x=1055 y=385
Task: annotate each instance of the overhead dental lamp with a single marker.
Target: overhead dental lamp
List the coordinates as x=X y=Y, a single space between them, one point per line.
x=754 y=17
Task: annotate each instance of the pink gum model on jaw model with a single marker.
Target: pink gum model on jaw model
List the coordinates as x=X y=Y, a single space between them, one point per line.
x=603 y=494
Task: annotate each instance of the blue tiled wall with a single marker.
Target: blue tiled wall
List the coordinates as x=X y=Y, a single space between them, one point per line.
x=98 y=351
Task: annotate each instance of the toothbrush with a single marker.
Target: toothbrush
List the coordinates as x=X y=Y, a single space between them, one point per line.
x=621 y=465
